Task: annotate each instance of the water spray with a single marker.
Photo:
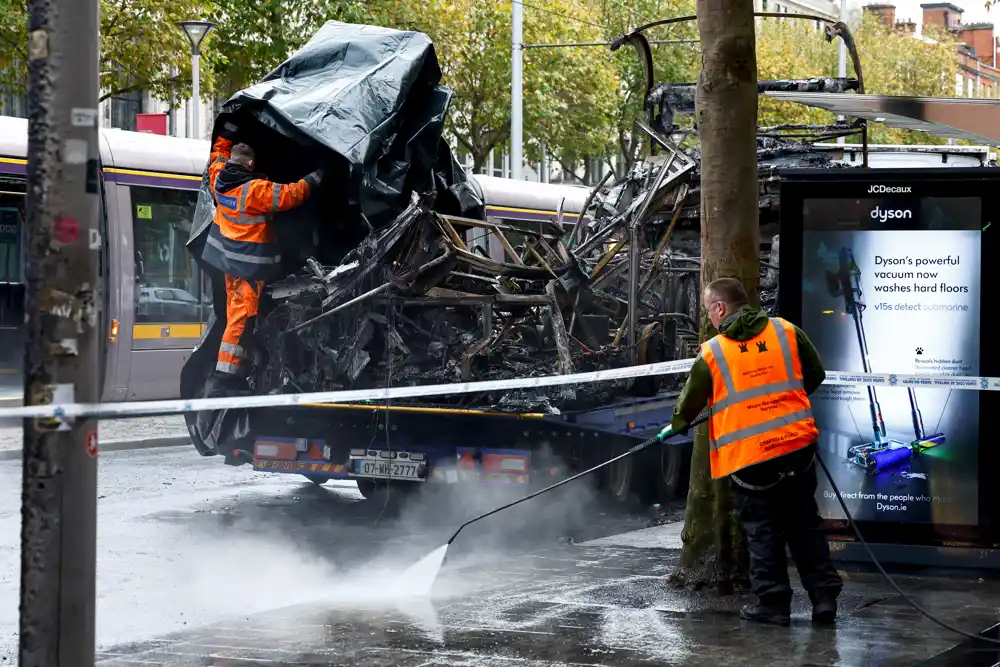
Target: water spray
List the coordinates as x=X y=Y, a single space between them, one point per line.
x=427 y=568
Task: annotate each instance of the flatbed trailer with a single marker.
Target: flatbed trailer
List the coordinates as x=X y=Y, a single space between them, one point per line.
x=407 y=446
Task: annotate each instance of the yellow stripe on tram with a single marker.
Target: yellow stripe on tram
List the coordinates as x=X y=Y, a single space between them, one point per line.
x=115 y=170
x=167 y=330
x=512 y=209
x=153 y=174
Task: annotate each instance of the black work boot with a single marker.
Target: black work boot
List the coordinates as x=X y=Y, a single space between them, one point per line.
x=824 y=608
x=772 y=612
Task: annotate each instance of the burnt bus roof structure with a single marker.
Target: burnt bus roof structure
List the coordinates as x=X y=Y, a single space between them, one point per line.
x=396 y=292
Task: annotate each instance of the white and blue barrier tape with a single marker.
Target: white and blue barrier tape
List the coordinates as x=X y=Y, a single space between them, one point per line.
x=72 y=410
x=975 y=383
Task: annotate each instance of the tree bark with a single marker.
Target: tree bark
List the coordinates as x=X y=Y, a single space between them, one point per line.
x=714 y=551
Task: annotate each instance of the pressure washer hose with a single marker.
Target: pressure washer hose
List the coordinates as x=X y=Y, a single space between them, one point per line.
x=668 y=433
x=892 y=583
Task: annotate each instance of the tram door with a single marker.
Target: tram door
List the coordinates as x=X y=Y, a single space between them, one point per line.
x=11 y=294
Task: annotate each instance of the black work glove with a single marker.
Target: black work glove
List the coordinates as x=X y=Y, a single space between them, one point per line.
x=315 y=179
x=229 y=131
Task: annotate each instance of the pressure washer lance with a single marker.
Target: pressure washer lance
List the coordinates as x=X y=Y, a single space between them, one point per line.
x=419 y=578
x=662 y=436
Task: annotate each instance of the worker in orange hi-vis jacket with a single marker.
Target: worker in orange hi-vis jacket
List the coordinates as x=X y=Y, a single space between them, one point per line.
x=755 y=376
x=241 y=243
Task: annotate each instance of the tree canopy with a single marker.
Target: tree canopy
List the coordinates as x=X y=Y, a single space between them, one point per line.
x=141 y=46
x=579 y=102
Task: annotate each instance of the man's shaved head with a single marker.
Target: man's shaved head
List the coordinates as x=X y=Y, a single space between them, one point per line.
x=728 y=290
x=243 y=155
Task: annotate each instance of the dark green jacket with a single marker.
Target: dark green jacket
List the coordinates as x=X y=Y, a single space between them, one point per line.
x=742 y=325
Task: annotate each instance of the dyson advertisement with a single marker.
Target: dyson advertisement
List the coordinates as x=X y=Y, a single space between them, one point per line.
x=891 y=284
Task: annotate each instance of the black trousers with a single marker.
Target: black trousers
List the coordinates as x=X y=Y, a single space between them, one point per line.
x=784 y=514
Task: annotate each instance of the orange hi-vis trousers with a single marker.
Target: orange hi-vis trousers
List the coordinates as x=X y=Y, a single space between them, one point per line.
x=242 y=301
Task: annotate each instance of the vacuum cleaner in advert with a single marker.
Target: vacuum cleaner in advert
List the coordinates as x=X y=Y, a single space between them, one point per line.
x=888 y=278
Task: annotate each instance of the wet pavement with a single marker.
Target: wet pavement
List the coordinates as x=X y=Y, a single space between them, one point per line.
x=206 y=565
x=580 y=606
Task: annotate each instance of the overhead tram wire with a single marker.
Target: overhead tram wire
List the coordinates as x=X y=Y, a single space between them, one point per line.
x=559 y=14
x=631 y=12
x=593 y=25
x=653 y=42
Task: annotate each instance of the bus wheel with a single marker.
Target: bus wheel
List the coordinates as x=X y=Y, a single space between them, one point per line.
x=668 y=466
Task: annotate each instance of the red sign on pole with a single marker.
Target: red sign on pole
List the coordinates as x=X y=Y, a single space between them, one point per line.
x=151 y=123
x=92 y=444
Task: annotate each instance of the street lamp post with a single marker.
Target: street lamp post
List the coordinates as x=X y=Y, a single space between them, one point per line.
x=842 y=58
x=196 y=32
x=516 y=71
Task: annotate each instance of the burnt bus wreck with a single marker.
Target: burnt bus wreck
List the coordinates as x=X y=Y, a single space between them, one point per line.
x=395 y=277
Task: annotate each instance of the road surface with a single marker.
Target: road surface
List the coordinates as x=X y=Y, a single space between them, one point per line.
x=204 y=564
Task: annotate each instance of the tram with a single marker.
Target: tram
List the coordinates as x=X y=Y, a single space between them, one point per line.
x=156 y=302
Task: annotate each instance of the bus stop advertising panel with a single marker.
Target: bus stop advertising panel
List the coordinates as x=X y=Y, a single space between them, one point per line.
x=888 y=271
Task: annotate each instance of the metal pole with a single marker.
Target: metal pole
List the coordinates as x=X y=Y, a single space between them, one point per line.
x=516 y=72
x=59 y=480
x=842 y=60
x=195 y=93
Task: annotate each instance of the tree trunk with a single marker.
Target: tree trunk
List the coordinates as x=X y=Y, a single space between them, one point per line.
x=478 y=161
x=714 y=552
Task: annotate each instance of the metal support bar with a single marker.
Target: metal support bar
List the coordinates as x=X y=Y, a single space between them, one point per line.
x=565 y=365
x=574 y=237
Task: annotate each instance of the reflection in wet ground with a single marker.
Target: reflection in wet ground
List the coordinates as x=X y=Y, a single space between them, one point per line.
x=579 y=605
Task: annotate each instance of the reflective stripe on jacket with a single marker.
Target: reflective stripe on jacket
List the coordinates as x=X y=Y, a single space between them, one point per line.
x=759 y=407
x=241 y=242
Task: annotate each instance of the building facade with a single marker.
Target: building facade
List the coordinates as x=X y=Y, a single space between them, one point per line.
x=977 y=57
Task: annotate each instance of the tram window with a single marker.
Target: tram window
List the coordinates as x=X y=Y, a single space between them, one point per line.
x=518 y=240
x=167 y=279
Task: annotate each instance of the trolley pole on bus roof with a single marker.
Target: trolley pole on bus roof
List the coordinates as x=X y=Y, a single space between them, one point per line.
x=59 y=499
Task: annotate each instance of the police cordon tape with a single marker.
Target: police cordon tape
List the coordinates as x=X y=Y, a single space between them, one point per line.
x=180 y=406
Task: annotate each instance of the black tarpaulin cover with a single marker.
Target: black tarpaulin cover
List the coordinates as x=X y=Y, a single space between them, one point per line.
x=366 y=104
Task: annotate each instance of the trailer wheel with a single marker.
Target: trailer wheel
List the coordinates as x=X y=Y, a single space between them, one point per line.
x=368 y=488
x=317 y=480
x=380 y=491
x=668 y=469
x=618 y=479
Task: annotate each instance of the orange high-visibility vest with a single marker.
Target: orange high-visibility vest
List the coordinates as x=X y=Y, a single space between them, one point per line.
x=759 y=406
x=241 y=241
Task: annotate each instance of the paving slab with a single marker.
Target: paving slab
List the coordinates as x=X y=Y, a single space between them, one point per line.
x=605 y=602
